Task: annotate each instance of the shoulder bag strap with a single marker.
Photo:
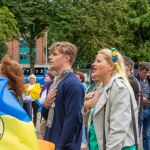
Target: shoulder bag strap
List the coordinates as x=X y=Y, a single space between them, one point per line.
x=104 y=137
x=134 y=125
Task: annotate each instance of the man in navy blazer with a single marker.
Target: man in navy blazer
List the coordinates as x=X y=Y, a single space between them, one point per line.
x=64 y=100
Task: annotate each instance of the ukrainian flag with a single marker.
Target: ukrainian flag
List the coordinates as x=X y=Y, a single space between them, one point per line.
x=16 y=128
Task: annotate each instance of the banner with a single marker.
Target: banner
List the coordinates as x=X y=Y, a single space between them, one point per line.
x=16 y=129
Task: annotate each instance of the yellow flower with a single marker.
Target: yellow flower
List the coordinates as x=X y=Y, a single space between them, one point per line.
x=114 y=53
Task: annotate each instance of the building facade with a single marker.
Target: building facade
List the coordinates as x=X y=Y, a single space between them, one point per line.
x=21 y=52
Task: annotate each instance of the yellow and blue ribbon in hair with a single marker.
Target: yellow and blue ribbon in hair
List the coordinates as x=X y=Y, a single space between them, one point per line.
x=120 y=70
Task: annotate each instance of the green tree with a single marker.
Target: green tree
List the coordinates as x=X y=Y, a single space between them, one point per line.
x=3 y=49
x=8 y=27
x=33 y=19
x=97 y=24
x=139 y=14
x=74 y=21
x=89 y=24
x=126 y=26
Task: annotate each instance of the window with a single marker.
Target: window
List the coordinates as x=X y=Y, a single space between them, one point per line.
x=25 y=52
x=24 y=56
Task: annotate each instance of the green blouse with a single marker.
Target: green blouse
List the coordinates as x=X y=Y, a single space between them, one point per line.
x=133 y=147
x=93 y=144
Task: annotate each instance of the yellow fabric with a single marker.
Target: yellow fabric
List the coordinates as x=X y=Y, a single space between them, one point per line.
x=18 y=135
x=34 y=92
x=95 y=87
x=85 y=101
x=120 y=70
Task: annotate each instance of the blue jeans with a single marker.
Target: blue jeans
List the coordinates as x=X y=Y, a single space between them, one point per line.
x=145 y=122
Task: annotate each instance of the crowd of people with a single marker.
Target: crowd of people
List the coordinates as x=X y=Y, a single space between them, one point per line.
x=110 y=114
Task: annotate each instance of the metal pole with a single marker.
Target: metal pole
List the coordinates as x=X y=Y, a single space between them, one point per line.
x=46 y=47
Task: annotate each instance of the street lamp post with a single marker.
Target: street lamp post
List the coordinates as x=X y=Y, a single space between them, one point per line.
x=46 y=47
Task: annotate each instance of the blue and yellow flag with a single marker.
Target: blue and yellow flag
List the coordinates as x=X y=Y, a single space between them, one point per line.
x=16 y=128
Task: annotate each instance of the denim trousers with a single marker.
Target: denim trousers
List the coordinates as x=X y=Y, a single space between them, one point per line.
x=145 y=126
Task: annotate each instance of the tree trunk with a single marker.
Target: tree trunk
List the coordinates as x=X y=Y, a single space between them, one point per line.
x=32 y=59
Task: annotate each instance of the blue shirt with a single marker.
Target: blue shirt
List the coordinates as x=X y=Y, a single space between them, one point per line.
x=145 y=89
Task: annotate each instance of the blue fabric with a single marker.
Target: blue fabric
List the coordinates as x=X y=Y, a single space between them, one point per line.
x=145 y=88
x=66 y=130
x=39 y=105
x=90 y=88
x=84 y=139
x=14 y=110
x=145 y=122
x=84 y=129
x=145 y=117
x=84 y=86
x=83 y=126
x=145 y=85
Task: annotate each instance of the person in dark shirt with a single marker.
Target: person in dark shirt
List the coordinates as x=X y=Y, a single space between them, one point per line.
x=62 y=107
x=129 y=64
x=144 y=79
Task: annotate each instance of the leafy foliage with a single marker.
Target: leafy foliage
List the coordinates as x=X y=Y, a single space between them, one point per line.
x=74 y=21
x=8 y=27
x=89 y=24
x=92 y=25
x=139 y=15
x=33 y=18
x=3 y=49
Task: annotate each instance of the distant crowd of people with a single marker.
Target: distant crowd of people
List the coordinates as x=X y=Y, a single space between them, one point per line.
x=109 y=114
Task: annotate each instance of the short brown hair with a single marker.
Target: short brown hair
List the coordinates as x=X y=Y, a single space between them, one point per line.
x=144 y=66
x=13 y=71
x=128 y=62
x=66 y=48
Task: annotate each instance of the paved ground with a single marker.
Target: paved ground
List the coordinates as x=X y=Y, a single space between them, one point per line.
x=39 y=135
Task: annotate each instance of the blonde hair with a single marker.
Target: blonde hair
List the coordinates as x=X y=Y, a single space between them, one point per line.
x=32 y=76
x=108 y=56
x=65 y=48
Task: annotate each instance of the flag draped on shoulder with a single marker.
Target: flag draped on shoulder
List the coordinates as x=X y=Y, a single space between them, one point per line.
x=16 y=129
